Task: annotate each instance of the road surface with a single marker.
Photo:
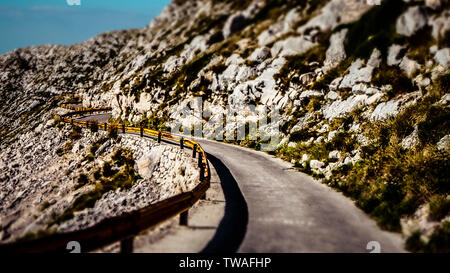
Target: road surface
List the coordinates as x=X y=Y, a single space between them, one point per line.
x=288 y=211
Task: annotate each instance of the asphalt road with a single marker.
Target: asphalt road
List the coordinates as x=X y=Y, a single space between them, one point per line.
x=288 y=211
x=272 y=208
x=101 y=118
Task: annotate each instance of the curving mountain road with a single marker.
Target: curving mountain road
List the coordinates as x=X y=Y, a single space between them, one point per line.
x=272 y=208
x=288 y=211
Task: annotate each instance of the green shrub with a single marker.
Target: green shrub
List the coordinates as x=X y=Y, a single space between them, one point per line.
x=45 y=205
x=442 y=84
x=439 y=207
x=107 y=170
x=302 y=135
x=375 y=29
x=76 y=133
x=394 y=76
x=112 y=132
x=436 y=124
x=93 y=126
x=82 y=180
x=182 y=170
x=440 y=240
x=123 y=157
x=65 y=148
x=97 y=175
x=414 y=243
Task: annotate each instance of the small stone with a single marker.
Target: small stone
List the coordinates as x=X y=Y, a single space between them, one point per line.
x=375 y=98
x=316 y=164
x=445 y=100
x=333 y=96
x=385 y=110
x=319 y=140
x=412 y=140
x=442 y=57
x=394 y=53
x=305 y=157
x=433 y=4
x=412 y=20
x=359 y=88
x=334 y=154
x=409 y=66
x=444 y=143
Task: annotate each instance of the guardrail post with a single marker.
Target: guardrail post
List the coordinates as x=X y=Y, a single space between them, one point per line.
x=182 y=143
x=202 y=172
x=106 y=126
x=142 y=132
x=184 y=218
x=126 y=245
x=123 y=128
x=199 y=160
x=159 y=137
x=194 y=151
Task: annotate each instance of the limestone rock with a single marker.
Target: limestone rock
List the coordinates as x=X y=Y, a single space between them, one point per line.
x=409 y=66
x=360 y=73
x=336 y=51
x=411 y=21
x=440 y=24
x=316 y=164
x=394 y=55
x=334 y=155
x=341 y=107
x=442 y=57
x=260 y=54
x=412 y=140
x=385 y=110
x=444 y=143
x=433 y=4
x=291 y=46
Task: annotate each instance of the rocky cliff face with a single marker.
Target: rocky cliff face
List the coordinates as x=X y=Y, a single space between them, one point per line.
x=58 y=179
x=362 y=89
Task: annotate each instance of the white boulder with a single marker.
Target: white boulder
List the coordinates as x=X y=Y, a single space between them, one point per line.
x=411 y=21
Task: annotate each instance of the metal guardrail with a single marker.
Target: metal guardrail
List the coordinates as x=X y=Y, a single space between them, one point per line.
x=126 y=226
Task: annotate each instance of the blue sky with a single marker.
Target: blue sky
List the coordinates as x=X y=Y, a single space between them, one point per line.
x=35 y=22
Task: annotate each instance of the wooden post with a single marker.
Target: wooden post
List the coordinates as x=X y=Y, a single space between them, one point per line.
x=123 y=128
x=194 y=151
x=126 y=245
x=184 y=218
x=182 y=143
x=142 y=131
x=202 y=172
x=199 y=160
x=159 y=137
x=106 y=126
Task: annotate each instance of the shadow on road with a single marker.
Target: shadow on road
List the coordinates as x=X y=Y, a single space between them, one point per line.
x=231 y=230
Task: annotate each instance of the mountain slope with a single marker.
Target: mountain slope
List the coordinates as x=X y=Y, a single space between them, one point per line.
x=362 y=90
